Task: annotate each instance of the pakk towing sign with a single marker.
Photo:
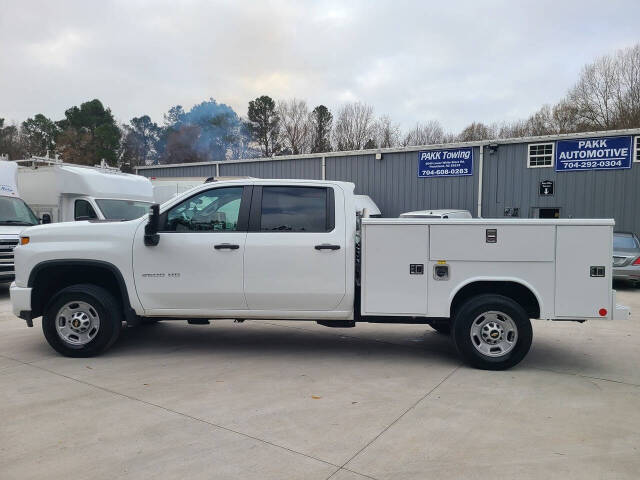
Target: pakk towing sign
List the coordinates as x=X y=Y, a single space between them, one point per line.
x=448 y=162
x=605 y=153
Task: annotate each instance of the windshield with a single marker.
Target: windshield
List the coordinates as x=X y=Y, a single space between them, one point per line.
x=123 y=209
x=624 y=241
x=13 y=211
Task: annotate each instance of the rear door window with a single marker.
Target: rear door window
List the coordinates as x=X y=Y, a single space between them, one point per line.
x=295 y=209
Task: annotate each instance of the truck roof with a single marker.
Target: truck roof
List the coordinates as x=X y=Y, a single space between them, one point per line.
x=348 y=186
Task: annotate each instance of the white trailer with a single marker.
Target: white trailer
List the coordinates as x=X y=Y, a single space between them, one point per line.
x=60 y=192
x=166 y=188
x=293 y=250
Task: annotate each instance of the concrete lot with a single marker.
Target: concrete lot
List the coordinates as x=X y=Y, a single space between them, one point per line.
x=287 y=400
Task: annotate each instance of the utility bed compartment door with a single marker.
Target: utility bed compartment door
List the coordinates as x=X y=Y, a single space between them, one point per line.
x=390 y=285
x=578 y=248
x=513 y=243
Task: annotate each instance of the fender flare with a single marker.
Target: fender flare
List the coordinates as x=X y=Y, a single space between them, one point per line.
x=129 y=312
x=518 y=281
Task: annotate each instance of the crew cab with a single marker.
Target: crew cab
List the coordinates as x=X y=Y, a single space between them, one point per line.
x=295 y=250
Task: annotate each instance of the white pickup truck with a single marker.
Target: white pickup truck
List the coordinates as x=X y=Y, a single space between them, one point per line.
x=291 y=249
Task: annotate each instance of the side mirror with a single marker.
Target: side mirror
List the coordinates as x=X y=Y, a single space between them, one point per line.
x=46 y=218
x=151 y=237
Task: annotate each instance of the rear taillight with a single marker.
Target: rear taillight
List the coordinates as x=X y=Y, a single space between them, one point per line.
x=637 y=262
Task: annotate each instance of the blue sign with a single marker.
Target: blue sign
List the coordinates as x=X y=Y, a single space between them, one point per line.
x=447 y=162
x=605 y=153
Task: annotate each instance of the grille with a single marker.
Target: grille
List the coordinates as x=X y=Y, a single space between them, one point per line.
x=6 y=254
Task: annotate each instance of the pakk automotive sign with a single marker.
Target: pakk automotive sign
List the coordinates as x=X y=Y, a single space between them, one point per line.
x=448 y=162
x=605 y=153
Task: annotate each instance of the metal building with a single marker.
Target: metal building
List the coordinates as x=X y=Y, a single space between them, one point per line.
x=587 y=175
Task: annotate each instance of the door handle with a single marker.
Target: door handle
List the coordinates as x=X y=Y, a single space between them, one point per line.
x=327 y=246
x=226 y=246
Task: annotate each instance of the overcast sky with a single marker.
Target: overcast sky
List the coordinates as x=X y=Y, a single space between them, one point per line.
x=454 y=61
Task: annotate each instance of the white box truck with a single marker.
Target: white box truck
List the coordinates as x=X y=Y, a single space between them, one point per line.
x=15 y=216
x=61 y=192
x=288 y=249
x=165 y=188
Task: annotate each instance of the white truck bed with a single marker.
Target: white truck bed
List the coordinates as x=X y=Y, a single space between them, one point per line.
x=552 y=258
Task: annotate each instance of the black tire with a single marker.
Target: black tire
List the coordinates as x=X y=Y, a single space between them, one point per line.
x=443 y=328
x=471 y=311
x=108 y=310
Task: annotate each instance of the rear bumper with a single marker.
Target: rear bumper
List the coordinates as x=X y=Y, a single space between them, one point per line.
x=619 y=312
x=20 y=301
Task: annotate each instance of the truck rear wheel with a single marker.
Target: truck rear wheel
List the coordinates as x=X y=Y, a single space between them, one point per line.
x=492 y=332
x=82 y=321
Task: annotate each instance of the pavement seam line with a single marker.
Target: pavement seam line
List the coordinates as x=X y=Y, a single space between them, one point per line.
x=586 y=376
x=175 y=412
x=416 y=346
x=384 y=430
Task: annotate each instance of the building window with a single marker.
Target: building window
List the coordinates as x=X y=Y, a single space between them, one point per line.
x=540 y=155
x=636 y=157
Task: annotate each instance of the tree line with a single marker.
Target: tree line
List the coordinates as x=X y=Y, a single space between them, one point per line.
x=605 y=97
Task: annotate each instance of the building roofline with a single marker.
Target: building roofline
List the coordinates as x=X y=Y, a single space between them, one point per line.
x=412 y=148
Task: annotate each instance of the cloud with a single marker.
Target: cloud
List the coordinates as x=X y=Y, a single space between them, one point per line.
x=455 y=61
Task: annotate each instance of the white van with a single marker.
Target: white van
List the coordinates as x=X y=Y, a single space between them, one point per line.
x=165 y=188
x=366 y=202
x=437 y=214
x=15 y=216
x=62 y=192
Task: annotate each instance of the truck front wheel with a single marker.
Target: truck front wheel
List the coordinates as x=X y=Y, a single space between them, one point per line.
x=82 y=321
x=492 y=332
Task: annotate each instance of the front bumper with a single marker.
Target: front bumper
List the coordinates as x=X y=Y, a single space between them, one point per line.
x=21 y=301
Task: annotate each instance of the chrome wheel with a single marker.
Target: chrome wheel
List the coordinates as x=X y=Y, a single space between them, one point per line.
x=494 y=334
x=77 y=323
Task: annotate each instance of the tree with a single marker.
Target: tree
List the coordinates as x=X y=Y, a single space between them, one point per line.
x=354 y=127
x=607 y=94
x=387 y=132
x=210 y=131
x=40 y=134
x=141 y=139
x=11 y=141
x=321 y=123
x=97 y=128
x=427 y=133
x=475 y=132
x=295 y=127
x=264 y=124
x=174 y=116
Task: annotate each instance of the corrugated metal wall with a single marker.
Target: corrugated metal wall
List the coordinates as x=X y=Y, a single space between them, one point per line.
x=392 y=182
x=394 y=185
x=508 y=183
x=180 y=171
x=298 y=168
